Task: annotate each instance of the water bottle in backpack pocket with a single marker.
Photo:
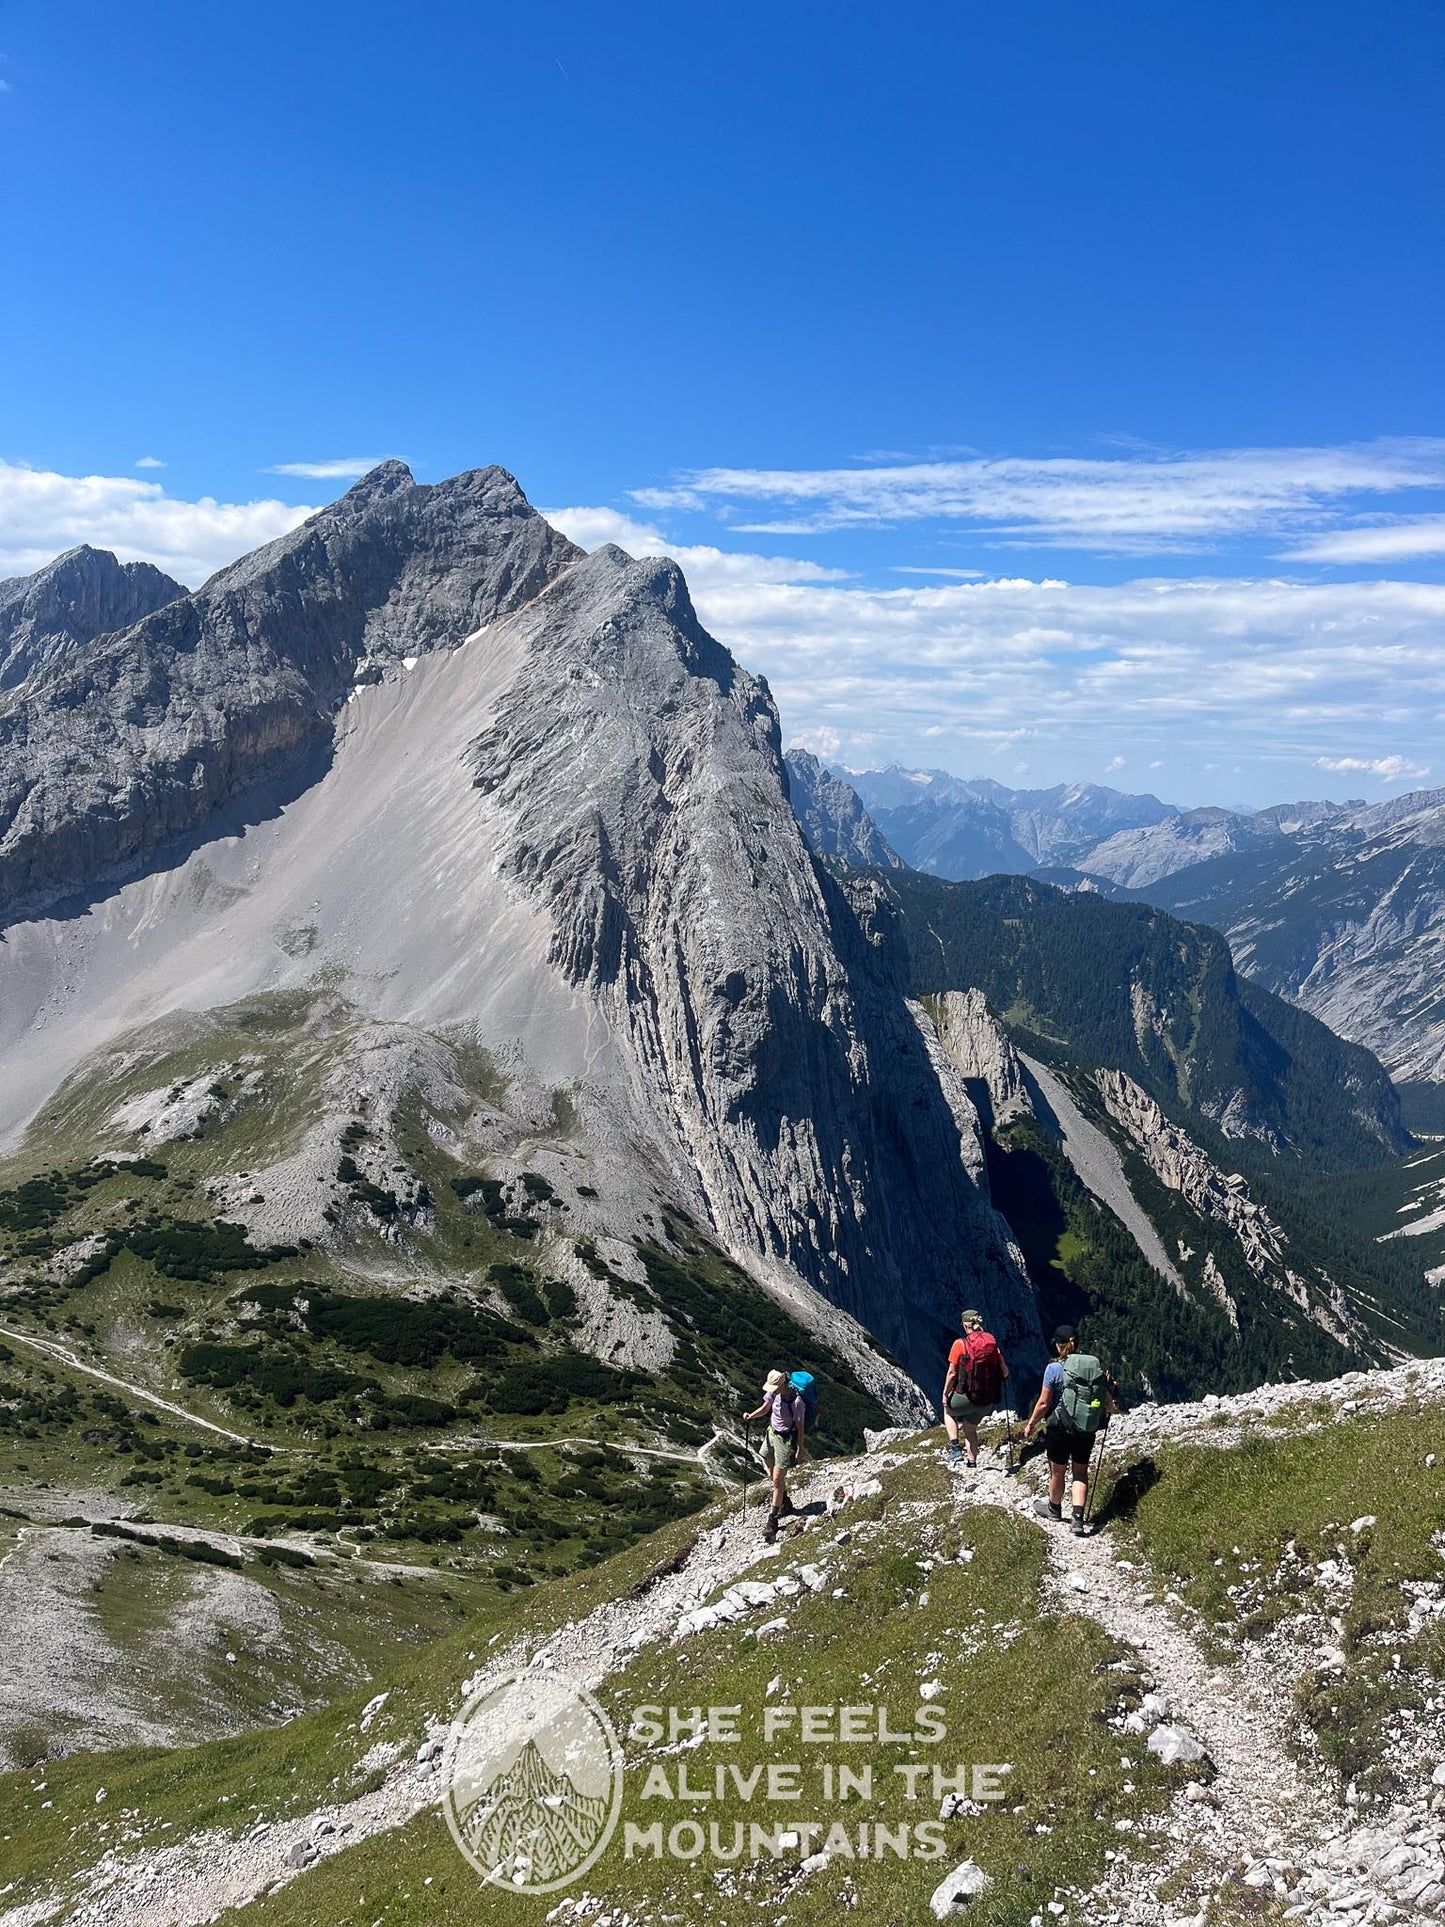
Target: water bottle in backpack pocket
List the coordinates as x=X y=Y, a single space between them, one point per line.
x=1083 y=1397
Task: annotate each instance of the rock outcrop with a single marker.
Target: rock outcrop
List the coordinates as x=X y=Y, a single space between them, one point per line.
x=832 y=816
x=979 y=1045
x=82 y=594
x=1223 y=1198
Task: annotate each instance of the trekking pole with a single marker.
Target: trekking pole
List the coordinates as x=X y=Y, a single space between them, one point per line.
x=1008 y=1419
x=1094 y=1480
x=747 y=1461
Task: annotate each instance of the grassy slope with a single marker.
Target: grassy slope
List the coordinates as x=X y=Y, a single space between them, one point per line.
x=1244 y=1534
x=53 y=1826
x=979 y=1626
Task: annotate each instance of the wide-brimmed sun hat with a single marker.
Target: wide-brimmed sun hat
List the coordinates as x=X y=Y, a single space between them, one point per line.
x=775 y=1381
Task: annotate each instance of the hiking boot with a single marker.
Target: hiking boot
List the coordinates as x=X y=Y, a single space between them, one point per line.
x=787 y=1509
x=1047 y=1511
x=953 y=1455
x=770 y=1530
x=1079 y=1526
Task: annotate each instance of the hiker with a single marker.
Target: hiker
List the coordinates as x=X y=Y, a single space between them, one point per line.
x=1075 y=1402
x=973 y=1386
x=787 y=1417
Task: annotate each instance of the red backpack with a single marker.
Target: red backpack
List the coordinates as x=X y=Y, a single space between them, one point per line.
x=981 y=1369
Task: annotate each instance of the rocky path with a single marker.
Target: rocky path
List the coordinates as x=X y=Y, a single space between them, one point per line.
x=64 y=1356
x=1253 y=1830
x=1257 y=1822
x=189 y=1884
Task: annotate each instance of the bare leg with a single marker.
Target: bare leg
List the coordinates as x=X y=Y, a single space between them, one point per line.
x=1056 y=1484
x=970 y=1439
x=1081 y=1483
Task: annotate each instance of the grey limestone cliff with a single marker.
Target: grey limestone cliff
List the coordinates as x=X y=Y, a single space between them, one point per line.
x=135 y=738
x=764 y=1009
x=832 y=816
x=980 y=1047
x=82 y=594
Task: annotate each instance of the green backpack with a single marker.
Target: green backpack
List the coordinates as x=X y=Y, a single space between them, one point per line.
x=1081 y=1402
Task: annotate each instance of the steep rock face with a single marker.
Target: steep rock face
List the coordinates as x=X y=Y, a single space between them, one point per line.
x=1346 y=919
x=771 y=1015
x=832 y=816
x=635 y=789
x=82 y=594
x=137 y=737
x=979 y=1045
x=1180 y=1165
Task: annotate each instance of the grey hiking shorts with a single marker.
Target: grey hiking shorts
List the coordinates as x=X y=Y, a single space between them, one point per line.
x=780 y=1448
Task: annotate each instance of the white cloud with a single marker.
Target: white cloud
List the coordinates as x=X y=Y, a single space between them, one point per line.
x=1136 y=504
x=705 y=568
x=341 y=468
x=42 y=512
x=961 y=575
x=824 y=742
x=1402 y=540
x=150 y=461
x=1168 y=673
x=1389 y=769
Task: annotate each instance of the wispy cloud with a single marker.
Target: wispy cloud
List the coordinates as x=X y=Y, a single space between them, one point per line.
x=150 y=461
x=1179 y=674
x=1140 y=503
x=1389 y=769
x=341 y=468
x=962 y=575
x=1404 y=539
x=42 y=512
x=706 y=568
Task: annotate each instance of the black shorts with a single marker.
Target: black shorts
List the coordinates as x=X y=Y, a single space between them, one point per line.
x=1067 y=1447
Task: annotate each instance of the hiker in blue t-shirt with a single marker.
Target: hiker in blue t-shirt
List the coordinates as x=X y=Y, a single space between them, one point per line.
x=1075 y=1401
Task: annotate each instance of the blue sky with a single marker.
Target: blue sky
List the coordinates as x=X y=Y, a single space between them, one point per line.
x=1126 y=318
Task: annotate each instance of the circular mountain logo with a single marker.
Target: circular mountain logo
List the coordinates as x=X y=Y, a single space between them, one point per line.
x=533 y=1775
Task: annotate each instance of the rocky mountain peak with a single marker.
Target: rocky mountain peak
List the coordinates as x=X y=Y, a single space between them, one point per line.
x=387 y=478
x=82 y=594
x=235 y=685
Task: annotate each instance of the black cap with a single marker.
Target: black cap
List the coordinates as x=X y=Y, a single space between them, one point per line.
x=1063 y=1333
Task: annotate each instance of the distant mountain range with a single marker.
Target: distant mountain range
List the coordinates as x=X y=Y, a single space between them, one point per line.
x=1339 y=907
